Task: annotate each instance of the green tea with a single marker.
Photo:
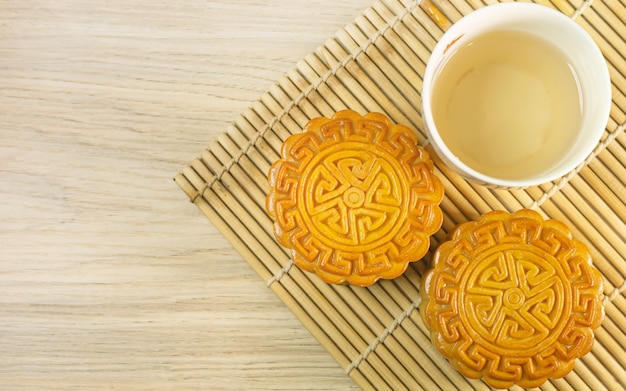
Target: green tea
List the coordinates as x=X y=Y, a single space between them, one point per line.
x=507 y=104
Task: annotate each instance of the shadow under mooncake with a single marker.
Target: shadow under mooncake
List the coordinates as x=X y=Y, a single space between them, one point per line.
x=512 y=299
x=354 y=198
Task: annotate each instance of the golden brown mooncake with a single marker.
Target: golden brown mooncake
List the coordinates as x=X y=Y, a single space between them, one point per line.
x=354 y=198
x=512 y=299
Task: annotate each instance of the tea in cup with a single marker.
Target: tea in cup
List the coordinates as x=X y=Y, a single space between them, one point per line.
x=515 y=95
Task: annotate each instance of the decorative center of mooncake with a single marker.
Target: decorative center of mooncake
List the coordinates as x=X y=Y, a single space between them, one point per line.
x=354 y=198
x=515 y=299
x=512 y=299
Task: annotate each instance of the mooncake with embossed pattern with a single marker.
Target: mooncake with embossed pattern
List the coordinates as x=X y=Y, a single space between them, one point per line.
x=354 y=198
x=512 y=299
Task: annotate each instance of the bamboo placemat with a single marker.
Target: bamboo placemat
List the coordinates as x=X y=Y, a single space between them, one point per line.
x=377 y=64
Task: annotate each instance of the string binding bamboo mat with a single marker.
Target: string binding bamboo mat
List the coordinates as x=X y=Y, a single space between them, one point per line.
x=377 y=64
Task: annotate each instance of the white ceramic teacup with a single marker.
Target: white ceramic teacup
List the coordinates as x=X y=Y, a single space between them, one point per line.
x=562 y=32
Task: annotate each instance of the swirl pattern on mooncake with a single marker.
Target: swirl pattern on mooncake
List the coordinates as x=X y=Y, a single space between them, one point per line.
x=354 y=198
x=512 y=299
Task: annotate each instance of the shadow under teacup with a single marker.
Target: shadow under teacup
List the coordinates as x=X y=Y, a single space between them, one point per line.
x=515 y=95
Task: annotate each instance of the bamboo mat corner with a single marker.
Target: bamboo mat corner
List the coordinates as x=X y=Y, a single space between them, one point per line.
x=377 y=63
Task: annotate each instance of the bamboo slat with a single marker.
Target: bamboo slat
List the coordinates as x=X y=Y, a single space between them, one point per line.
x=377 y=64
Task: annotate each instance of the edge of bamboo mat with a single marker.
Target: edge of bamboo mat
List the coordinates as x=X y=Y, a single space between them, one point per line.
x=376 y=63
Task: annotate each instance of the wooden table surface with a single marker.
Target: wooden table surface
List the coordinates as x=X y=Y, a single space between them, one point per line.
x=109 y=277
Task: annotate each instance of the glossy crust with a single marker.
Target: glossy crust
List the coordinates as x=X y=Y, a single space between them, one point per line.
x=354 y=198
x=512 y=299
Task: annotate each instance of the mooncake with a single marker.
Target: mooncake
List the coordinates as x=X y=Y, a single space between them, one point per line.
x=512 y=299
x=354 y=198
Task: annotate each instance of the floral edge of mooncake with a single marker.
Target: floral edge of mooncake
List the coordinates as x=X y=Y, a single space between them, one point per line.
x=512 y=299
x=354 y=198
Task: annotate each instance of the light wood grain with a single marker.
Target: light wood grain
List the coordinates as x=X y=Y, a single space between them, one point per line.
x=109 y=277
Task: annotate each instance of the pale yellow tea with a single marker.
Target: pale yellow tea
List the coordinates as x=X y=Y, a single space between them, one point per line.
x=507 y=104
